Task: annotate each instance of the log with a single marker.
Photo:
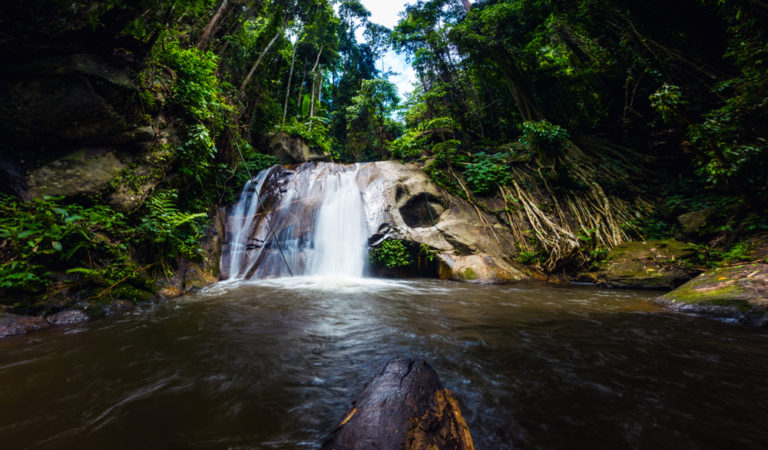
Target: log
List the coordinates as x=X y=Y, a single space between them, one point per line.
x=405 y=406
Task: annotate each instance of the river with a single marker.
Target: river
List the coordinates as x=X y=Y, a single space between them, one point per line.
x=274 y=364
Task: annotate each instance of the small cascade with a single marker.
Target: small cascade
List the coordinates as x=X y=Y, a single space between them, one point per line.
x=306 y=221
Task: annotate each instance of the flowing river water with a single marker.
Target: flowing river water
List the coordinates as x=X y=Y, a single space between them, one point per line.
x=274 y=364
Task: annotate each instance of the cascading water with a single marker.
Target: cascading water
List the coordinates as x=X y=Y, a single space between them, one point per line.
x=306 y=221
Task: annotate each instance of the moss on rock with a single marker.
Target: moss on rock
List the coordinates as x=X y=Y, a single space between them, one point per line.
x=738 y=292
x=658 y=264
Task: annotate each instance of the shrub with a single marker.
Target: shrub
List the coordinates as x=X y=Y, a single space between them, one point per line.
x=486 y=173
x=544 y=138
x=197 y=88
x=167 y=232
x=392 y=253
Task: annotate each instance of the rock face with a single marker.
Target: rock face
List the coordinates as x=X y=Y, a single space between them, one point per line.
x=65 y=99
x=403 y=407
x=646 y=265
x=738 y=293
x=293 y=150
x=402 y=203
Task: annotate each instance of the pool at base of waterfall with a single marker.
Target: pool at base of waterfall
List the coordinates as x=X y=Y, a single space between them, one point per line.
x=275 y=363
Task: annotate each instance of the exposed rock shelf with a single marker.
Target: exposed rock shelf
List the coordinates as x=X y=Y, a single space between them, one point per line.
x=738 y=293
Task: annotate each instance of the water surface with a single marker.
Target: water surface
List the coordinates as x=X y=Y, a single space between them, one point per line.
x=274 y=364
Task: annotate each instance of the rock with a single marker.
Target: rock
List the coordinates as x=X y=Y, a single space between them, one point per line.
x=444 y=234
x=758 y=247
x=137 y=135
x=68 y=317
x=737 y=293
x=403 y=407
x=477 y=269
x=82 y=172
x=401 y=202
x=120 y=306
x=12 y=179
x=646 y=265
x=694 y=223
x=12 y=325
x=137 y=181
x=196 y=277
x=293 y=150
x=188 y=277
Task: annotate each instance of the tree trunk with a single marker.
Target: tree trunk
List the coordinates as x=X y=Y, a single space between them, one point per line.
x=403 y=407
x=212 y=26
x=314 y=81
x=299 y=101
x=312 y=101
x=467 y=5
x=290 y=78
x=261 y=56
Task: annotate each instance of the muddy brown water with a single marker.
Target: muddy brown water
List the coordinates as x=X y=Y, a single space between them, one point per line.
x=275 y=364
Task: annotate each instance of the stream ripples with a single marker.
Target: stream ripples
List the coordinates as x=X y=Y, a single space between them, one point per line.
x=274 y=364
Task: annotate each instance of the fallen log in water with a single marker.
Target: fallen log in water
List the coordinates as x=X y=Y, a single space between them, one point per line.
x=403 y=407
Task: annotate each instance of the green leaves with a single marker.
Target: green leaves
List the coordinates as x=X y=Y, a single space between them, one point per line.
x=667 y=100
x=43 y=235
x=544 y=138
x=168 y=232
x=392 y=254
x=369 y=125
x=486 y=172
x=197 y=88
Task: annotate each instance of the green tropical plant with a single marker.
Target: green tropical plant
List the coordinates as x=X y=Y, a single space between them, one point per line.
x=392 y=253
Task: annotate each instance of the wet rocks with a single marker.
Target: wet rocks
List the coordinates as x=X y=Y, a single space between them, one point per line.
x=478 y=268
x=401 y=202
x=405 y=406
x=12 y=325
x=656 y=264
x=737 y=293
x=67 y=317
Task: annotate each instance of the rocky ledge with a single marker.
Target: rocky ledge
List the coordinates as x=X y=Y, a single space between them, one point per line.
x=653 y=264
x=735 y=294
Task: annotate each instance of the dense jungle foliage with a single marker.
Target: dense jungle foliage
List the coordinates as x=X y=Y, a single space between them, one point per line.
x=653 y=99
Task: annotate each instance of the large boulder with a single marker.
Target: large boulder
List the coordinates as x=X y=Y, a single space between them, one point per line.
x=82 y=172
x=692 y=223
x=737 y=293
x=405 y=406
x=293 y=149
x=401 y=202
x=658 y=264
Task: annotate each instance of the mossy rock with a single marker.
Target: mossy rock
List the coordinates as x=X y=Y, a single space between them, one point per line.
x=83 y=172
x=692 y=223
x=656 y=264
x=468 y=275
x=738 y=293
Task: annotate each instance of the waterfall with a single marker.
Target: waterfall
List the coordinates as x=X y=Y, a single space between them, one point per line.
x=310 y=219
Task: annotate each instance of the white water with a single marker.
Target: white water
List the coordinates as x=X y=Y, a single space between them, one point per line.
x=305 y=222
x=243 y=214
x=340 y=230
